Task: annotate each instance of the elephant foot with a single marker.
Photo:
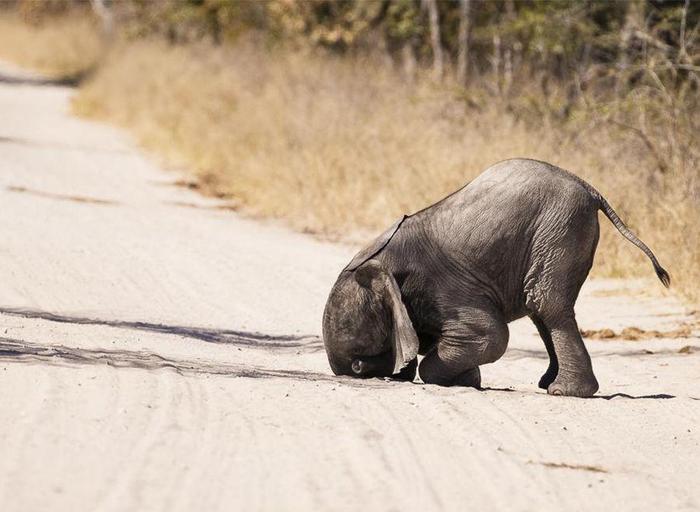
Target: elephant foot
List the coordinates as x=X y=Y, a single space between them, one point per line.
x=548 y=378
x=471 y=379
x=409 y=373
x=573 y=385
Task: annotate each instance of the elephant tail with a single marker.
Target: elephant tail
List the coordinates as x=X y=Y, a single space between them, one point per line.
x=605 y=207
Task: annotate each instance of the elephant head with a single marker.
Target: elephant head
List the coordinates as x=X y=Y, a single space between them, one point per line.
x=366 y=329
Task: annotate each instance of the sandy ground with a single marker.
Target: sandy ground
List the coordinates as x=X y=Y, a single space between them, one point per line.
x=159 y=353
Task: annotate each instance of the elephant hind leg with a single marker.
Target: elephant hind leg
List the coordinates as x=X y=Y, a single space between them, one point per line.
x=551 y=288
x=553 y=368
x=570 y=370
x=574 y=375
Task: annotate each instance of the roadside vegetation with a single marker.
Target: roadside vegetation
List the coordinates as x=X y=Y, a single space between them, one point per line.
x=61 y=45
x=340 y=117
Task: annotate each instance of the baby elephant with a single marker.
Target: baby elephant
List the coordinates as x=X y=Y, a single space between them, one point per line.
x=444 y=282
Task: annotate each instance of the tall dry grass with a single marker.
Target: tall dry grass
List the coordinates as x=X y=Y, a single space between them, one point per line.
x=63 y=48
x=336 y=145
x=345 y=146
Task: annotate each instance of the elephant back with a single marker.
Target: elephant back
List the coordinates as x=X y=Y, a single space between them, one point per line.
x=375 y=247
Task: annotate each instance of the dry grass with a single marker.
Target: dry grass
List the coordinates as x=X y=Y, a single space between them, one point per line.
x=334 y=146
x=60 y=48
x=344 y=146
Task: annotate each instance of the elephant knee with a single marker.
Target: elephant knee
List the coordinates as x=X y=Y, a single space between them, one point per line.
x=494 y=344
x=435 y=368
x=495 y=349
x=432 y=373
x=434 y=378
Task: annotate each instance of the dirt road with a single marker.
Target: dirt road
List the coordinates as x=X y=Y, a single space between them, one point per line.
x=160 y=353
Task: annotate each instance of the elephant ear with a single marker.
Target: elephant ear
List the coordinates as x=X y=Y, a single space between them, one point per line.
x=404 y=340
x=375 y=247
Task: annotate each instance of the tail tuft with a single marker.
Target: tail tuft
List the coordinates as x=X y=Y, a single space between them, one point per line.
x=624 y=231
x=663 y=276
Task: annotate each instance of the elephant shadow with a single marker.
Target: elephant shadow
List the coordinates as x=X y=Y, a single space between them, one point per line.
x=307 y=342
x=18 y=350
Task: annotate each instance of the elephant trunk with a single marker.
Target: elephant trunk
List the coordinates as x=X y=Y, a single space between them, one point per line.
x=381 y=365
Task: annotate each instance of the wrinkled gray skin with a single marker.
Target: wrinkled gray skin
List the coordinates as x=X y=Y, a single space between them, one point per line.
x=518 y=240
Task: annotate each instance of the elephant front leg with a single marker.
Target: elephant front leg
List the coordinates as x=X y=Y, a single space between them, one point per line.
x=450 y=364
x=408 y=373
x=455 y=360
x=469 y=379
